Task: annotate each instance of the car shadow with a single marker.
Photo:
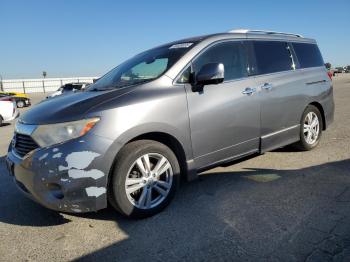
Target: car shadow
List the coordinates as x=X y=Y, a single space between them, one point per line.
x=286 y=149
x=5 y=124
x=239 y=214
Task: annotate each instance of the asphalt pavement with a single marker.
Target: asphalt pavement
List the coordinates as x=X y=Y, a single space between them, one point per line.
x=280 y=206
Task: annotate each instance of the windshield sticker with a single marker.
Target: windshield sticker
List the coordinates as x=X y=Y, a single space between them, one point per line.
x=182 y=45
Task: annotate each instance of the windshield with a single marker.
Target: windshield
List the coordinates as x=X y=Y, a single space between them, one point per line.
x=142 y=68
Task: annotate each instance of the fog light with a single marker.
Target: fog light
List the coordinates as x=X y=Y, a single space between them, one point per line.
x=55 y=190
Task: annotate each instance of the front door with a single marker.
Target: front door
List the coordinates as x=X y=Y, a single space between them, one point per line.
x=224 y=118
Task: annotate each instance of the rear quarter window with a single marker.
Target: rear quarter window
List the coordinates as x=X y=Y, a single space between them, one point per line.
x=308 y=55
x=272 y=56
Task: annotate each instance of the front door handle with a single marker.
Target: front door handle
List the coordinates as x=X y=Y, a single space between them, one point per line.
x=249 y=91
x=266 y=86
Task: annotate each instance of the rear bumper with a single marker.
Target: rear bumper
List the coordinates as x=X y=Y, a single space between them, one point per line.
x=70 y=177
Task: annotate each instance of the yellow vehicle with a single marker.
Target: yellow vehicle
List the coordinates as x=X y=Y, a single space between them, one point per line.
x=15 y=94
x=22 y=100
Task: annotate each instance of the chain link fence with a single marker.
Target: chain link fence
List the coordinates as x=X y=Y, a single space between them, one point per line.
x=40 y=85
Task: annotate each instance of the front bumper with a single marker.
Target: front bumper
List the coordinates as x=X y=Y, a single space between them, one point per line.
x=70 y=177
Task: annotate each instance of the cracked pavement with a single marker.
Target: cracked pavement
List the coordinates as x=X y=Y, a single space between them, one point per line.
x=280 y=206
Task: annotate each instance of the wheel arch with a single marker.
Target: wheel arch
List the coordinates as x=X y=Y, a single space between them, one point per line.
x=320 y=108
x=179 y=145
x=171 y=142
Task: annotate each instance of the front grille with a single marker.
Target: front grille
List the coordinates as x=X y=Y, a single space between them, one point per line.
x=23 y=144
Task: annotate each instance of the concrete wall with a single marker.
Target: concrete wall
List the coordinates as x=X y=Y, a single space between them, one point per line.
x=40 y=85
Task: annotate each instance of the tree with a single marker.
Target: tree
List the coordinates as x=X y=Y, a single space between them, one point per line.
x=44 y=74
x=328 y=65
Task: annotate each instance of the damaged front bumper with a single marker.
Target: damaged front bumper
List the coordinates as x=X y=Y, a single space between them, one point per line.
x=70 y=177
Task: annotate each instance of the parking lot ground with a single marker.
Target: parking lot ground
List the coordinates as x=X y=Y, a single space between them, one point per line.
x=280 y=206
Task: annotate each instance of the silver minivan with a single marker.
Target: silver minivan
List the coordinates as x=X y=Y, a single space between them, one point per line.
x=171 y=112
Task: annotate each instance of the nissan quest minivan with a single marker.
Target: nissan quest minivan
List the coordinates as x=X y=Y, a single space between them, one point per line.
x=171 y=112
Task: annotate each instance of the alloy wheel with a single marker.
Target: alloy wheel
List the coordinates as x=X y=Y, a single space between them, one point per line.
x=20 y=104
x=311 y=128
x=149 y=181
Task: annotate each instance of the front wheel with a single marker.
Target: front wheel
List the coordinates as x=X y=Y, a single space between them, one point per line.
x=310 y=129
x=145 y=178
x=20 y=104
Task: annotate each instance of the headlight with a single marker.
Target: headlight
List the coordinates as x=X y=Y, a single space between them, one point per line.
x=47 y=135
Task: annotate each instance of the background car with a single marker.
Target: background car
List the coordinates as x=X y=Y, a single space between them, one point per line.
x=68 y=88
x=8 y=110
x=22 y=100
x=340 y=69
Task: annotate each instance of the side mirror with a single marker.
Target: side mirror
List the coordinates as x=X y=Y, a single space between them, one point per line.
x=212 y=73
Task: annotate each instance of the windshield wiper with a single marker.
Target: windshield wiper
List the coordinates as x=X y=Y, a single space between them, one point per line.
x=132 y=83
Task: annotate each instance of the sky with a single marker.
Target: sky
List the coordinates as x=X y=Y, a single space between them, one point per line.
x=87 y=38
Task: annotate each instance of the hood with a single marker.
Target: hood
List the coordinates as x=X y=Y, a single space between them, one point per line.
x=69 y=107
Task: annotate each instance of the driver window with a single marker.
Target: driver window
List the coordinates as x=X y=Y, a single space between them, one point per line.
x=230 y=54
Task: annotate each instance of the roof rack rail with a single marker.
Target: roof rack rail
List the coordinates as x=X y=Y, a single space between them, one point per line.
x=247 y=31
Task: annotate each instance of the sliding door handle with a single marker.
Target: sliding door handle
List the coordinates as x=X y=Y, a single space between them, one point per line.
x=266 y=86
x=249 y=91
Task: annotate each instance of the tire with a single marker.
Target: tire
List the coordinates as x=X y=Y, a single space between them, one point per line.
x=1 y=120
x=140 y=203
x=306 y=144
x=20 y=104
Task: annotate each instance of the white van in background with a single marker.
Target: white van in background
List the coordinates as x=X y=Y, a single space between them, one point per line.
x=8 y=110
x=69 y=88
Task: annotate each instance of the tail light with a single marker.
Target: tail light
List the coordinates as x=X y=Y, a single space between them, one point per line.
x=330 y=75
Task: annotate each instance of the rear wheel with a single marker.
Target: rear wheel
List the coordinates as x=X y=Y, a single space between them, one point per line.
x=20 y=104
x=145 y=178
x=310 y=129
x=1 y=120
